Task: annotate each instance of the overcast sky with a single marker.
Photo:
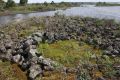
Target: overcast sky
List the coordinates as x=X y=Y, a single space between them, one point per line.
x=35 y=1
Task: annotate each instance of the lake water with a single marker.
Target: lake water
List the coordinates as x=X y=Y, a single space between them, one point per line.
x=85 y=11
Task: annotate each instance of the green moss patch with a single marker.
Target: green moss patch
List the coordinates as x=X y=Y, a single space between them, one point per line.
x=67 y=52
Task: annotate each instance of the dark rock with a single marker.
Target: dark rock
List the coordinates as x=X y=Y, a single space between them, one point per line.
x=118 y=73
x=28 y=42
x=34 y=60
x=2 y=34
x=101 y=78
x=2 y=49
x=117 y=39
x=45 y=63
x=17 y=58
x=25 y=65
x=8 y=45
x=89 y=40
x=34 y=71
x=37 y=36
x=9 y=54
x=21 y=61
x=115 y=52
x=105 y=52
x=50 y=37
x=33 y=52
x=110 y=48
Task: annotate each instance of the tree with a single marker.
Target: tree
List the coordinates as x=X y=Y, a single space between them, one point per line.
x=23 y=2
x=10 y=3
x=45 y=3
x=52 y=2
x=2 y=5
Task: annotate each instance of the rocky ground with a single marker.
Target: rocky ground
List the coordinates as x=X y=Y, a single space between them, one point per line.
x=20 y=45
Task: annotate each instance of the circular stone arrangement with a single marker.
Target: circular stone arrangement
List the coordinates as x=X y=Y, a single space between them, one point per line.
x=61 y=28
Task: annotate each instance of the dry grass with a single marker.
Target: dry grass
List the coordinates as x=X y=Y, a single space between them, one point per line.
x=11 y=72
x=57 y=76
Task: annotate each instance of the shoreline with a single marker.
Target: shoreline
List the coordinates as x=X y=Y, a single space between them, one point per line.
x=8 y=12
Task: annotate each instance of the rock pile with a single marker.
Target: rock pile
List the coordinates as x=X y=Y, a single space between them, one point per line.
x=27 y=56
x=104 y=35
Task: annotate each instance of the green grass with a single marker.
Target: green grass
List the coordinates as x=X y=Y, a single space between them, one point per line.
x=70 y=54
x=66 y=52
x=34 y=7
x=24 y=28
x=42 y=7
x=107 y=4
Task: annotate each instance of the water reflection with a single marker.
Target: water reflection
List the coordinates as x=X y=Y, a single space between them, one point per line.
x=85 y=11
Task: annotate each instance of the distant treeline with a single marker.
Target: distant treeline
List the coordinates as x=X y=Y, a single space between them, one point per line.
x=107 y=4
x=24 y=6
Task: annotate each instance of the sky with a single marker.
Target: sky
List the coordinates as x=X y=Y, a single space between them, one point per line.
x=41 y=1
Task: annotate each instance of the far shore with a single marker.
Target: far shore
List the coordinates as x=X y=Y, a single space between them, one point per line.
x=5 y=13
x=32 y=8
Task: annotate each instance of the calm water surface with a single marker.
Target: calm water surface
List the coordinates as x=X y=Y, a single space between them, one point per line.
x=85 y=11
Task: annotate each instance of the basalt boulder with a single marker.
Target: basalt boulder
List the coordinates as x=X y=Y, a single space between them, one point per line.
x=17 y=58
x=38 y=36
x=34 y=71
x=2 y=49
x=8 y=44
